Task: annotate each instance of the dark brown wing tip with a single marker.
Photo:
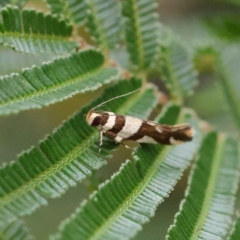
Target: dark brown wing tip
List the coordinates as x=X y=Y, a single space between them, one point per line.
x=182 y=133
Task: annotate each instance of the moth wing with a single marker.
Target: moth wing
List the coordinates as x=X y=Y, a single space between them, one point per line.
x=161 y=128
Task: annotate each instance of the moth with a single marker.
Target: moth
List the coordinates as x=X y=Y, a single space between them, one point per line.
x=124 y=127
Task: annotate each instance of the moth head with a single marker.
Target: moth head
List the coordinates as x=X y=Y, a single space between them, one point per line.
x=93 y=118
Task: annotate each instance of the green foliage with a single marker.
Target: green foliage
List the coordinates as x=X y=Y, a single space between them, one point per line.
x=120 y=206
x=33 y=32
x=102 y=19
x=72 y=10
x=176 y=67
x=236 y=231
x=65 y=157
x=140 y=31
x=209 y=202
x=104 y=22
x=54 y=81
x=13 y=231
x=134 y=192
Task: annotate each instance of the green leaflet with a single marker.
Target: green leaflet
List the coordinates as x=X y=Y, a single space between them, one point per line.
x=52 y=82
x=14 y=231
x=33 y=32
x=125 y=202
x=104 y=22
x=209 y=204
x=102 y=18
x=176 y=67
x=72 y=10
x=141 y=31
x=65 y=157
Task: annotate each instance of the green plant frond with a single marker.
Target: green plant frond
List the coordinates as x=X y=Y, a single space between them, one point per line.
x=140 y=31
x=176 y=67
x=33 y=32
x=235 y=234
x=19 y=3
x=52 y=82
x=209 y=202
x=73 y=10
x=14 y=231
x=104 y=22
x=125 y=202
x=67 y=156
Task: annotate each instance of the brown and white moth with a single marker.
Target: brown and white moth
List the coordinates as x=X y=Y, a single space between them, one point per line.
x=121 y=128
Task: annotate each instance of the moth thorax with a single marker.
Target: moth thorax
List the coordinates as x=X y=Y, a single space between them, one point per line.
x=93 y=118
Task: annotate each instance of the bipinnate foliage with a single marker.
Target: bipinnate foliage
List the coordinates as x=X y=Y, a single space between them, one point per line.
x=102 y=19
x=176 y=67
x=33 y=32
x=214 y=184
x=120 y=206
x=72 y=11
x=140 y=31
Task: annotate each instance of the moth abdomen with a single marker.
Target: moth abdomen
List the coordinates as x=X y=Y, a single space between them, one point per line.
x=181 y=133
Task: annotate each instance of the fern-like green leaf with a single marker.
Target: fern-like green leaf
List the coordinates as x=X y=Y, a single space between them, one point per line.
x=40 y=86
x=207 y=210
x=65 y=157
x=73 y=10
x=14 y=231
x=104 y=22
x=177 y=70
x=33 y=32
x=102 y=18
x=141 y=31
x=123 y=204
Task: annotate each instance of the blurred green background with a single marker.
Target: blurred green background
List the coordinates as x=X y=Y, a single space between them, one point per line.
x=197 y=22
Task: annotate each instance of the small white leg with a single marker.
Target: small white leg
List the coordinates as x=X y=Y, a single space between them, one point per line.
x=126 y=146
x=100 y=139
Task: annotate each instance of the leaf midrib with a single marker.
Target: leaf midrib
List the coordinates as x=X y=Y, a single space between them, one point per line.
x=133 y=196
x=34 y=36
x=173 y=76
x=52 y=170
x=99 y=27
x=216 y=164
x=46 y=90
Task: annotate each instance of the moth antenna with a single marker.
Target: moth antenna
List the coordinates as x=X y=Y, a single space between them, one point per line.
x=109 y=100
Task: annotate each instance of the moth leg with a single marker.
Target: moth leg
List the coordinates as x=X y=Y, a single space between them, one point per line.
x=126 y=146
x=100 y=139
